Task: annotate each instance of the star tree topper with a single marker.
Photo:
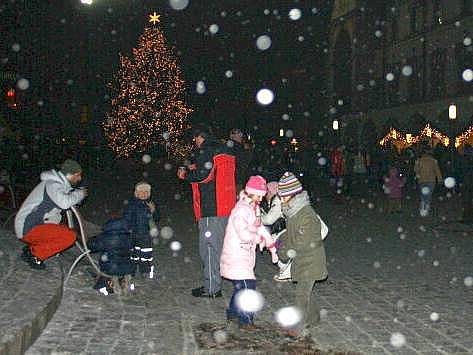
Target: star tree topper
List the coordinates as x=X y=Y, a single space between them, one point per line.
x=154 y=18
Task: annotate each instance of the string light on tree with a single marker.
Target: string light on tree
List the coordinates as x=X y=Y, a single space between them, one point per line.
x=146 y=98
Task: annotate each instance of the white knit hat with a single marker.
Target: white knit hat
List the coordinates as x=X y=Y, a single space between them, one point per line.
x=142 y=186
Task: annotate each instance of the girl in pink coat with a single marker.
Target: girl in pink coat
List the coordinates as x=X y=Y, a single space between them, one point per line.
x=243 y=233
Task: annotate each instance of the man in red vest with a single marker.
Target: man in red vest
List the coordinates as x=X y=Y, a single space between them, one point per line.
x=214 y=196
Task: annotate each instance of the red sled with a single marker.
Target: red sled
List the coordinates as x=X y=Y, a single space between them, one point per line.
x=223 y=173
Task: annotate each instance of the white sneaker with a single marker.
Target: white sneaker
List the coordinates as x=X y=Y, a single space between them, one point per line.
x=281 y=278
x=281 y=265
x=284 y=274
x=151 y=272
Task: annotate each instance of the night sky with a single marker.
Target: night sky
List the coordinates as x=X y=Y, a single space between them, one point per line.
x=68 y=52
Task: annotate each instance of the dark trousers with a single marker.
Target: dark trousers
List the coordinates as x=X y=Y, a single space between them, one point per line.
x=211 y=234
x=233 y=311
x=305 y=301
x=393 y=205
x=143 y=253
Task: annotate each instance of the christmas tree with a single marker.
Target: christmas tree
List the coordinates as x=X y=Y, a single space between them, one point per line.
x=146 y=99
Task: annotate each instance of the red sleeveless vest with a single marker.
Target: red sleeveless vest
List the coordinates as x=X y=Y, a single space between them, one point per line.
x=223 y=173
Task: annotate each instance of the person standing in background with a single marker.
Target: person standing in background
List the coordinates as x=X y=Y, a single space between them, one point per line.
x=428 y=175
x=213 y=199
x=467 y=189
x=242 y=154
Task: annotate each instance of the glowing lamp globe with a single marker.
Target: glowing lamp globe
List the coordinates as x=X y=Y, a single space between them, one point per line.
x=265 y=96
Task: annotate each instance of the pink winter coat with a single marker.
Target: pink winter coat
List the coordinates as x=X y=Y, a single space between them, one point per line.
x=237 y=261
x=394 y=184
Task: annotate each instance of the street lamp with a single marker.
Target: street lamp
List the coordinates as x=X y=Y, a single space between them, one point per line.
x=335 y=125
x=281 y=133
x=452 y=111
x=452 y=115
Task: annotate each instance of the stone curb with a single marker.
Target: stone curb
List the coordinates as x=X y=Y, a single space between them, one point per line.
x=33 y=304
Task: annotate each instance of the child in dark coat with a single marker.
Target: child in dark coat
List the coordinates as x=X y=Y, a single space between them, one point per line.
x=141 y=217
x=115 y=246
x=393 y=184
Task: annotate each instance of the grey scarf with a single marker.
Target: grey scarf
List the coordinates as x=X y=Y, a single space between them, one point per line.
x=295 y=204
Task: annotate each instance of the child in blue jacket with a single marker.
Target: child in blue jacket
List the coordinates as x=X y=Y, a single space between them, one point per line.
x=141 y=217
x=115 y=246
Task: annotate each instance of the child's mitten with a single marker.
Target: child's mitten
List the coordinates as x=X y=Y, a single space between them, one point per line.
x=274 y=255
x=271 y=246
x=264 y=237
x=267 y=240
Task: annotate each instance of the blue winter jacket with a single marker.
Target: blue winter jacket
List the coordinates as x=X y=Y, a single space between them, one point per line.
x=137 y=216
x=115 y=245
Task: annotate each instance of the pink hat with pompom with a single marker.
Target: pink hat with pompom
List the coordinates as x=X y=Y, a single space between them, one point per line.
x=256 y=185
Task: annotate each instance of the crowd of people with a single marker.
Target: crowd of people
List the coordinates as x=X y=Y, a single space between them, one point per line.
x=383 y=170
x=232 y=221
x=236 y=209
x=230 y=229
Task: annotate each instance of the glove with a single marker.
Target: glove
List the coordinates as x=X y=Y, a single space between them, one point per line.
x=263 y=237
x=267 y=240
x=263 y=232
x=274 y=255
x=271 y=246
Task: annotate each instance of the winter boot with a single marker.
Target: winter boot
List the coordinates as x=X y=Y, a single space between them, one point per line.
x=284 y=274
x=127 y=285
x=26 y=253
x=36 y=263
x=103 y=285
x=117 y=289
x=149 y=275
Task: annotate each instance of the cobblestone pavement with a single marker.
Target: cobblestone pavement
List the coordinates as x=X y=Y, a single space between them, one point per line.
x=27 y=300
x=397 y=284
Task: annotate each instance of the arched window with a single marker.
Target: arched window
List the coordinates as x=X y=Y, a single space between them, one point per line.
x=438 y=61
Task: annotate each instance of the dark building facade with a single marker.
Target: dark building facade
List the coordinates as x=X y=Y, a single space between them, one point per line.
x=401 y=64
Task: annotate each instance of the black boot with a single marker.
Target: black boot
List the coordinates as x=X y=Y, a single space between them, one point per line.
x=26 y=253
x=201 y=292
x=36 y=263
